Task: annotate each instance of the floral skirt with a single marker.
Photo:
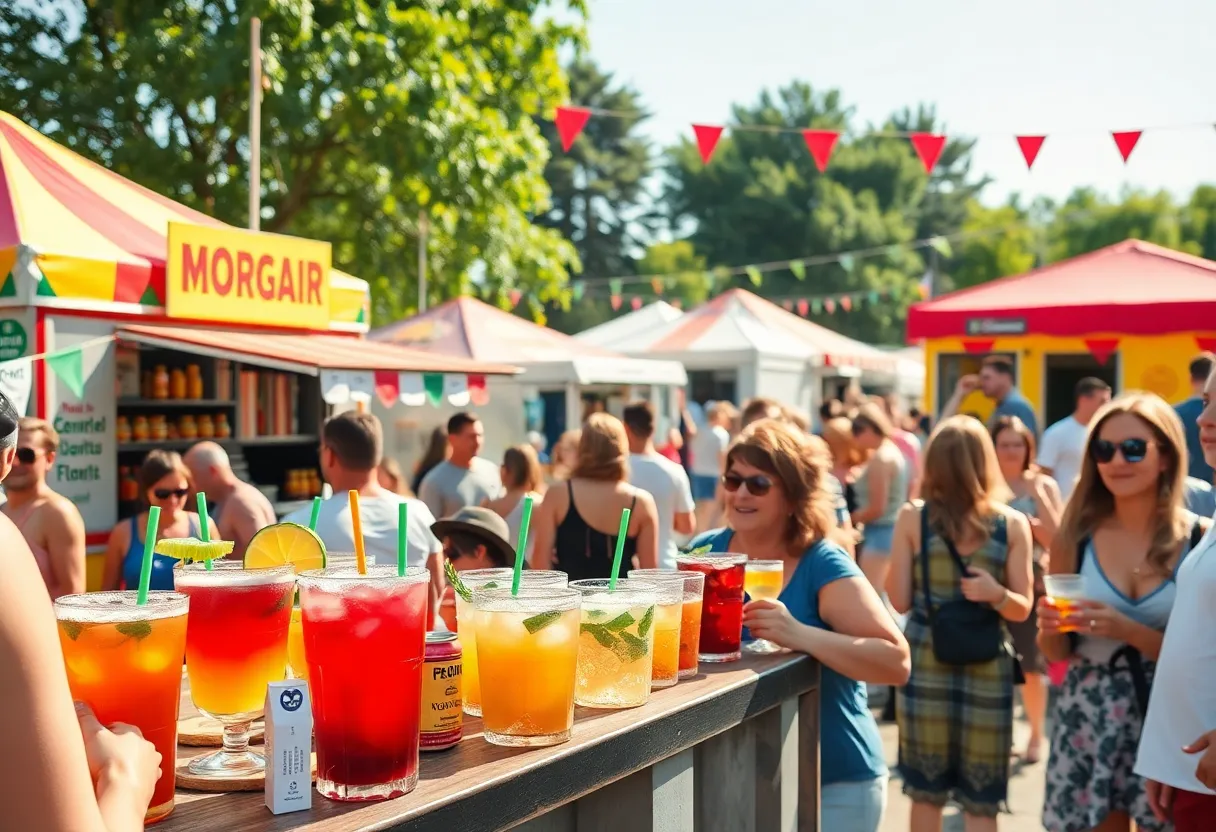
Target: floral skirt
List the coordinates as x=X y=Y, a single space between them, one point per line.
x=1095 y=732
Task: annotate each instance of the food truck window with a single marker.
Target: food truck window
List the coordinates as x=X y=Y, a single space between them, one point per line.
x=1061 y=377
x=711 y=386
x=953 y=366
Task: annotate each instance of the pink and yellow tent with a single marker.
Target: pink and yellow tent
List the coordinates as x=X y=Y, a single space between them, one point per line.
x=74 y=231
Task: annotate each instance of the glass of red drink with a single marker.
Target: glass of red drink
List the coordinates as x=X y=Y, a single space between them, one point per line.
x=722 y=603
x=364 y=639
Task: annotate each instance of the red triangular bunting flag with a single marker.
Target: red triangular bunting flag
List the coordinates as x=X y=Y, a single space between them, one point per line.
x=635 y=303
x=803 y=307
x=928 y=147
x=1126 y=142
x=615 y=300
x=829 y=306
x=388 y=387
x=707 y=140
x=1030 y=145
x=515 y=296
x=979 y=347
x=570 y=122
x=787 y=305
x=820 y=143
x=478 y=394
x=1102 y=348
x=1207 y=343
x=846 y=303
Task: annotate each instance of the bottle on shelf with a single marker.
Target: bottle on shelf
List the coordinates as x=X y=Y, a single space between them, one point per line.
x=177 y=384
x=122 y=429
x=187 y=427
x=160 y=383
x=147 y=385
x=222 y=429
x=159 y=428
x=141 y=430
x=206 y=426
x=194 y=382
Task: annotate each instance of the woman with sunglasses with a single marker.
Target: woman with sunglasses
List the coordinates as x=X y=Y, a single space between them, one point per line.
x=1126 y=532
x=163 y=481
x=880 y=489
x=777 y=507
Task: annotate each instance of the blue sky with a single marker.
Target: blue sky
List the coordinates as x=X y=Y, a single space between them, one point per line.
x=1073 y=69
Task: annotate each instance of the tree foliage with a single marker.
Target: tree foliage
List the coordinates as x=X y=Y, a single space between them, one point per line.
x=373 y=112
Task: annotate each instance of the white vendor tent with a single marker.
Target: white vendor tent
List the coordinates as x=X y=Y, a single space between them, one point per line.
x=637 y=328
x=546 y=396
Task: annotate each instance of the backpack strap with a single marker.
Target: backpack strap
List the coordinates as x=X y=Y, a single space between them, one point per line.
x=924 y=558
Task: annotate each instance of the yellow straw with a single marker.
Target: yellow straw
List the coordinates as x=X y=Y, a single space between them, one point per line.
x=360 y=555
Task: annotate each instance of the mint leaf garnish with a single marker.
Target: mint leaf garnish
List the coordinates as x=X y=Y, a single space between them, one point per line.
x=72 y=629
x=137 y=630
x=539 y=622
x=600 y=634
x=620 y=622
x=700 y=550
x=635 y=647
x=647 y=620
x=490 y=585
x=458 y=586
x=595 y=615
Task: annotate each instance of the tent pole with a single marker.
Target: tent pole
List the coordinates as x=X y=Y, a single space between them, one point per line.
x=255 y=124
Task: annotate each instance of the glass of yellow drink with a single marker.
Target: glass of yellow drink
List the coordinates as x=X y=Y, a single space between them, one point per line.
x=763 y=579
x=616 y=643
x=527 y=651
x=1064 y=591
x=475 y=580
x=668 y=622
x=236 y=643
x=124 y=660
x=296 y=663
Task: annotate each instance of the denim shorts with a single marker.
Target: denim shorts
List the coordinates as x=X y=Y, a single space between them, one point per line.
x=704 y=487
x=853 y=807
x=877 y=541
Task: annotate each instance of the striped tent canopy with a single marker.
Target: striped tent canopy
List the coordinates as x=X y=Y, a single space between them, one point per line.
x=73 y=230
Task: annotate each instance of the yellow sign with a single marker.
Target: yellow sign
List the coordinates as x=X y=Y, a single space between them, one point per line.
x=234 y=276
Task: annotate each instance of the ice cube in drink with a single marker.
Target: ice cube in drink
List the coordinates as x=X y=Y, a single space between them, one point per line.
x=616 y=643
x=722 y=608
x=668 y=620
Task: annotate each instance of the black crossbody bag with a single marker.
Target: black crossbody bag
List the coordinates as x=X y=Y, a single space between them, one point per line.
x=963 y=631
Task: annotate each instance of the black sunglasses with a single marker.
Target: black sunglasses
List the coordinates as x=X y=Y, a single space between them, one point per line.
x=166 y=493
x=26 y=456
x=757 y=486
x=1133 y=450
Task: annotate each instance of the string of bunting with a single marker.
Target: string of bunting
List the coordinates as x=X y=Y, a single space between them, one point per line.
x=411 y=389
x=570 y=122
x=73 y=366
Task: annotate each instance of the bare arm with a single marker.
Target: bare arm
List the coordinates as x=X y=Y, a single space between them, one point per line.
x=685 y=522
x=864 y=644
x=238 y=524
x=905 y=544
x=1019 y=577
x=962 y=390
x=879 y=478
x=544 y=530
x=648 y=532
x=116 y=548
x=1050 y=505
x=65 y=548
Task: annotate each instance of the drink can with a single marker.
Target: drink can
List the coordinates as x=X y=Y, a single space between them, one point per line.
x=442 y=723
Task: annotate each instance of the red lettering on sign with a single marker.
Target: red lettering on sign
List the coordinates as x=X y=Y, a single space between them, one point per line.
x=244 y=274
x=287 y=290
x=221 y=271
x=285 y=275
x=194 y=269
x=265 y=281
x=314 y=283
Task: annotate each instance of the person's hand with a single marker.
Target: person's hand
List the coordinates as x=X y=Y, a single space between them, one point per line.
x=1206 y=770
x=981 y=587
x=770 y=620
x=1092 y=618
x=967 y=384
x=119 y=759
x=1048 y=616
x=1160 y=800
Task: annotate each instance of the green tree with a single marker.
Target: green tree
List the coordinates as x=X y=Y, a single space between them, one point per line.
x=373 y=112
x=1199 y=220
x=1087 y=221
x=996 y=242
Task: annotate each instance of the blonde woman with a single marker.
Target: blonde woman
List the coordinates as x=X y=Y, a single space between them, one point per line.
x=880 y=489
x=521 y=477
x=564 y=456
x=1126 y=532
x=576 y=526
x=955 y=719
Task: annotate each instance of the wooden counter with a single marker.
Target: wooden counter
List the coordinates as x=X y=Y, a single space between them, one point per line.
x=734 y=749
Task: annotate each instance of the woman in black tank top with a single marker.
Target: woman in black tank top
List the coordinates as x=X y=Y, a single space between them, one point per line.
x=584 y=552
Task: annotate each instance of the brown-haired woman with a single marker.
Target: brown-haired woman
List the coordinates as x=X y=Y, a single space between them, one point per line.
x=576 y=526
x=163 y=481
x=521 y=477
x=956 y=720
x=778 y=508
x=437 y=450
x=1037 y=496
x=1125 y=531
x=391 y=477
x=880 y=489
x=564 y=456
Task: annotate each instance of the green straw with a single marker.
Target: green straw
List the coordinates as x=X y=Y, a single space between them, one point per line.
x=205 y=525
x=522 y=545
x=403 y=516
x=145 y=569
x=620 y=549
x=316 y=514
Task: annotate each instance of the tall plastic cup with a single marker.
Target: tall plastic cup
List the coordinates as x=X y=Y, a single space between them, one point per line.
x=722 y=607
x=1065 y=591
x=668 y=621
x=124 y=661
x=365 y=641
x=616 y=643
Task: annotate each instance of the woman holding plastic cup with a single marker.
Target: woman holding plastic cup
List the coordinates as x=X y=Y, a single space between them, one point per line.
x=778 y=508
x=1124 y=533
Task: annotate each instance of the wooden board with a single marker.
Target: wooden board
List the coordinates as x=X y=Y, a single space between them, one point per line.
x=204 y=732
x=248 y=783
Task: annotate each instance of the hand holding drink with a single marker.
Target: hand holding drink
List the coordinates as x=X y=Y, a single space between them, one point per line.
x=1059 y=611
x=763 y=581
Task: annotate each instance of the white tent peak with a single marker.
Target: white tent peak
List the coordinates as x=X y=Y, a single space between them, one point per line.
x=632 y=329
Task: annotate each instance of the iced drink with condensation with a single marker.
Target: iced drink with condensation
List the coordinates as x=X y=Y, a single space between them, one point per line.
x=475 y=580
x=690 y=623
x=124 y=661
x=527 y=650
x=616 y=643
x=763 y=579
x=364 y=639
x=722 y=604
x=668 y=621
x=1064 y=591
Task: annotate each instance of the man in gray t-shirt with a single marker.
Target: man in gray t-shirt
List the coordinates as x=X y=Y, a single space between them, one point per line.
x=464 y=479
x=995 y=380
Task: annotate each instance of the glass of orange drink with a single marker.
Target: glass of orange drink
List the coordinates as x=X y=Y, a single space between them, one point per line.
x=124 y=660
x=668 y=622
x=236 y=643
x=763 y=579
x=527 y=651
x=474 y=580
x=690 y=623
x=1065 y=591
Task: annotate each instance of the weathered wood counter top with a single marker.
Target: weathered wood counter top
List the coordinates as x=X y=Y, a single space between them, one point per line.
x=734 y=749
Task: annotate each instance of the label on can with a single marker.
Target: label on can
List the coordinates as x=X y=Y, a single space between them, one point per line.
x=442 y=711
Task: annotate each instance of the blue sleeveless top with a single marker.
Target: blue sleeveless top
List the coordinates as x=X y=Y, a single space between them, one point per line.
x=850 y=745
x=162 y=566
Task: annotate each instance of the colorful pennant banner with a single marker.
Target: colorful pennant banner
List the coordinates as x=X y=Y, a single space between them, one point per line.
x=411 y=389
x=73 y=366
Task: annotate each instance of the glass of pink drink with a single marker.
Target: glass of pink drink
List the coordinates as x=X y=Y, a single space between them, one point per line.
x=364 y=640
x=722 y=604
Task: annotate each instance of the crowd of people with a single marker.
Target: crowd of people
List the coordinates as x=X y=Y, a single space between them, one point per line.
x=915 y=560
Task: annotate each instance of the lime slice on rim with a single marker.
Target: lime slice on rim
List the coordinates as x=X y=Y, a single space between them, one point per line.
x=192 y=549
x=283 y=544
